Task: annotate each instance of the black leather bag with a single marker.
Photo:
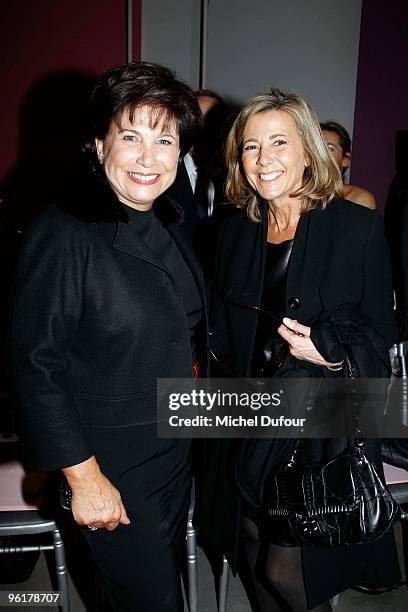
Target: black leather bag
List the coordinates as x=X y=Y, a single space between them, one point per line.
x=343 y=501
x=340 y=501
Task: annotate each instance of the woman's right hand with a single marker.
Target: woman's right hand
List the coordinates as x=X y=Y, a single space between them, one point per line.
x=95 y=500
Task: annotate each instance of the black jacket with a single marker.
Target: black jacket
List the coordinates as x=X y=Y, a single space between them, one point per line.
x=181 y=191
x=339 y=259
x=203 y=231
x=97 y=320
x=339 y=262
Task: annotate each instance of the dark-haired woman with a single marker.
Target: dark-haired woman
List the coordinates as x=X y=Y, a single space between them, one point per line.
x=320 y=266
x=109 y=296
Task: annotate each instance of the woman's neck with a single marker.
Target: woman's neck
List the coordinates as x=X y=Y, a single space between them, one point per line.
x=283 y=220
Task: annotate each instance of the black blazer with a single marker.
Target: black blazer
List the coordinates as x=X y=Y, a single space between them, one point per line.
x=339 y=258
x=202 y=231
x=97 y=320
x=181 y=192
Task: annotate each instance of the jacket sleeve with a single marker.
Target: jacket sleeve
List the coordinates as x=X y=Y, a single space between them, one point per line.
x=377 y=301
x=49 y=293
x=370 y=330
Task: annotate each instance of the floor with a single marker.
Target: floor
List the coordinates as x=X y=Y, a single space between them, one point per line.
x=349 y=601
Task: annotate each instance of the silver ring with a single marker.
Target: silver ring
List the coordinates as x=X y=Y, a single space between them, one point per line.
x=92 y=528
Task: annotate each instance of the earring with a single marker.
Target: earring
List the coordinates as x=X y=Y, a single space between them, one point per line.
x=101 y=158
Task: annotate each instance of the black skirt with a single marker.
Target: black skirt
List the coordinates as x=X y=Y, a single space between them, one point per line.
x=141 y=562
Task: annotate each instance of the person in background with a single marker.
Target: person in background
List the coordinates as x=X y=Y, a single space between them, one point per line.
x=199 y=184
x=396 y=229
x=339 y=143
x=194 y=186
x=302 y=277
x=109 y=297
x=208 y=151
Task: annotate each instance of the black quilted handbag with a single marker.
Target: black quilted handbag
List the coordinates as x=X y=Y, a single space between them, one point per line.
x=341 y=501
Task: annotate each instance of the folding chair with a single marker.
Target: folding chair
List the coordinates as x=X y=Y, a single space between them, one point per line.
x=397 y=481
x=20 y=516
x=191 y=545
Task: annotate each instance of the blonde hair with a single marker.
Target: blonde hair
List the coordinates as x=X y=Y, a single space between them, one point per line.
x=321 y=179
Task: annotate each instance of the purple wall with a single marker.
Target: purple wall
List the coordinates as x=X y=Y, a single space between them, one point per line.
x=42 y=37
x=382 y=94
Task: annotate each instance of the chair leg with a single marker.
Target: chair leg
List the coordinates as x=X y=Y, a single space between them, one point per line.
x=224 y=583
x=61 y=568
x=192 y=567
x=404 y=537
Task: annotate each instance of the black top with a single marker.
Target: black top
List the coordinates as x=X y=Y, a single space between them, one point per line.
x=145 y=226
x=269 y=346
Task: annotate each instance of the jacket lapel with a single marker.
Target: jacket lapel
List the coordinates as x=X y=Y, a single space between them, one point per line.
x=309 y=262
x=298 y=274
x=297 y=257
x=125 y=241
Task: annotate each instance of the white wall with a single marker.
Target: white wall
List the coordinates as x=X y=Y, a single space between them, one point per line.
x=307 y=46
x=171 y=36
x=310 y=47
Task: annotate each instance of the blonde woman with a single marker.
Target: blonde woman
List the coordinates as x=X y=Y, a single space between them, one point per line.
x=298 y=250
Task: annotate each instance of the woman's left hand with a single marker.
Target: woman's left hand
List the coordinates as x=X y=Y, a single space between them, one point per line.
x=300 y=345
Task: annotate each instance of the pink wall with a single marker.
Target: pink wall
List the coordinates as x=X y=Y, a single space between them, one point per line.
x=382 y=94
x=44 y=37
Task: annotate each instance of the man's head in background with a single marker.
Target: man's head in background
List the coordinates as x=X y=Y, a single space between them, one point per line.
x=339 y=143
x=208 y=148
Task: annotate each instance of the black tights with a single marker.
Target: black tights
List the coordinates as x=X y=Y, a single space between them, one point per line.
x=276 y=573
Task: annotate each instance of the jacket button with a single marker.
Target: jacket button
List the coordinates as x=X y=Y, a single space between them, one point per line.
x=293 y=303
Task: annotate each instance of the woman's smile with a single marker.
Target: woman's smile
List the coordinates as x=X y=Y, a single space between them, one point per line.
x=271 y=176
x=143 y=179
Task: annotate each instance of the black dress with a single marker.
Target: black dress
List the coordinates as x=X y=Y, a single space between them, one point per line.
x=269 y=349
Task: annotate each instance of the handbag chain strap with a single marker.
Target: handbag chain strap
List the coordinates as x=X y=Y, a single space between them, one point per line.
x=351 y=375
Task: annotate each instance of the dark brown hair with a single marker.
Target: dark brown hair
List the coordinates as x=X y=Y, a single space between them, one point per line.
x=127 y=87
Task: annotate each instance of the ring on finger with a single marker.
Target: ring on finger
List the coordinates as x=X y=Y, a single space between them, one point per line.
x=92 y=528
